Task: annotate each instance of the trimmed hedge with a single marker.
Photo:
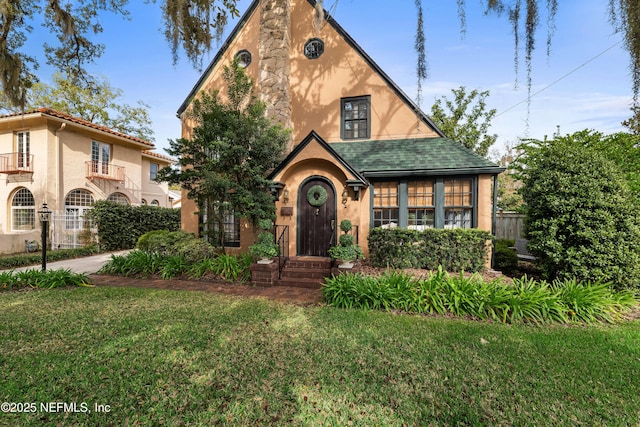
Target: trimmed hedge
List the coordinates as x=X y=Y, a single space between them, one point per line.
x=120 y=226
x=453 y=249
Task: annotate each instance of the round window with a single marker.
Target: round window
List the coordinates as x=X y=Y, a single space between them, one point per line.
x=314 y=48
x=244 y=58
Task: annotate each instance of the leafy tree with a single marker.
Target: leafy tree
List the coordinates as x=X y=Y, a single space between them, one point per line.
x=98 y=103
x=581 y=220
x=465 y=118
x=633 y=122
x=233 y=145
x=191 y=25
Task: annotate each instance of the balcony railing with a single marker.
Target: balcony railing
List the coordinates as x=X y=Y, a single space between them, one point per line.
x=99 y=170
x=11 y=163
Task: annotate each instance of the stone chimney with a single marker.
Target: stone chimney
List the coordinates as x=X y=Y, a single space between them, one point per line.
x=275 y=64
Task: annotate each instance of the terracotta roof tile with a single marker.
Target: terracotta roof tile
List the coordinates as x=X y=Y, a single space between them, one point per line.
x=82 y=122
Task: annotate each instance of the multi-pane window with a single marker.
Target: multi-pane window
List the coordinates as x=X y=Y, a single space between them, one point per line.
x=153 y=171
x=314 y=48
x=23 y=210
x=385 y=204
x=458 y=203
x=76 y=204
x=356 y=117
x=100 y=157
x=231 y=227
x=421 y=204
x=24 y=149
x=118 y=198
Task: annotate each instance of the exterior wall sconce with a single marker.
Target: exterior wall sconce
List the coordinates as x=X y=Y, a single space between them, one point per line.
x=45 y=216
x=345 y=194
x=285 y=196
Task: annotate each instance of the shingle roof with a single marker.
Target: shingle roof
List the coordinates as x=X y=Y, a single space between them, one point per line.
x=420 y=156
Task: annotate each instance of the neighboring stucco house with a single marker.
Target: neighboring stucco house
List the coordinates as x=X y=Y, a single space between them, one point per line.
x=69 y=163
x=360 y=149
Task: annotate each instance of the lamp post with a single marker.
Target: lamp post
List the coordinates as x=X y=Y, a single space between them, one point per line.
x=45 y=215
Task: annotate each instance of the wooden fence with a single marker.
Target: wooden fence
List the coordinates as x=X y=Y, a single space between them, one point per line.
x=509 y=225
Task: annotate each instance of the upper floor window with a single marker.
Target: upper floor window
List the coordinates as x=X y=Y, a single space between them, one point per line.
x=23 y=210
x=153 y=171
x=314 y=48
x=100 y=157
x=356 y=117
x=244 y=58
x=23 y=145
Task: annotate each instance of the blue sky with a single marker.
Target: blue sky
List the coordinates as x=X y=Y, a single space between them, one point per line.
x=595 y=92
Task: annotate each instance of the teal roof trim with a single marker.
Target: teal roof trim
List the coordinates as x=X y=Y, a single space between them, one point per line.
x=419 y=156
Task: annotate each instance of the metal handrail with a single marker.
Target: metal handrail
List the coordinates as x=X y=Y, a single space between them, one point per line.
x=16 y=162
x=105 y=171
x=282 y=240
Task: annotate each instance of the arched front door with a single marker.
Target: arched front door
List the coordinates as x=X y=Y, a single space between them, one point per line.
x=316 y=217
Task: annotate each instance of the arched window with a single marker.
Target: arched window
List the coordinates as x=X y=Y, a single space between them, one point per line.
x=154 y=202
x=23 y=210
x=143 y=202
x=118 y=198
x=76 y=204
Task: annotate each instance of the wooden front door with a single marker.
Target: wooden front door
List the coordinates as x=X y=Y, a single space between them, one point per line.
x=316 y=219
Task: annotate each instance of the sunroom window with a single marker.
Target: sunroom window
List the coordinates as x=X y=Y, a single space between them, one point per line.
x=458 y=203
x=385 y=204
x=421 y=204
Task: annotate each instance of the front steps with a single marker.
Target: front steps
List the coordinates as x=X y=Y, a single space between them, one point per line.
x=305 y=272
x=298 y=272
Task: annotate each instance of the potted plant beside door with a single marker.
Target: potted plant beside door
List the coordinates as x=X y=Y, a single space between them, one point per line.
x=346 y=252
x=265 y=248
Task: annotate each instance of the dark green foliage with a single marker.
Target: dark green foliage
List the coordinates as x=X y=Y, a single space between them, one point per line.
x=582 y=220
x=144 y=264
x=524 y=301
x=35 y=278
x=265 y=247
x=346 y=250
x=224 y=164
x=454 y=250
x=22 y=260
x=120 y=226
x=505 y=258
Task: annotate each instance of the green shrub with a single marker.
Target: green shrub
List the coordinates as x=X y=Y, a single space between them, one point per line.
x=454 y=250
x=524 y=301
x=193 y=249
x=579 y=219
x=36 y=278
x=120 y=226
x=505 y=259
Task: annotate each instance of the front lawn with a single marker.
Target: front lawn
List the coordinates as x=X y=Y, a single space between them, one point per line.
x=153 y=357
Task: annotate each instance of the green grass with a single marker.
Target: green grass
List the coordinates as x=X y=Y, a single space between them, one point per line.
x=183 y=358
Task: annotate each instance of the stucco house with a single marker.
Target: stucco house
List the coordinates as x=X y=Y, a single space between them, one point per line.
x=69 y=163
x=361 y=149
